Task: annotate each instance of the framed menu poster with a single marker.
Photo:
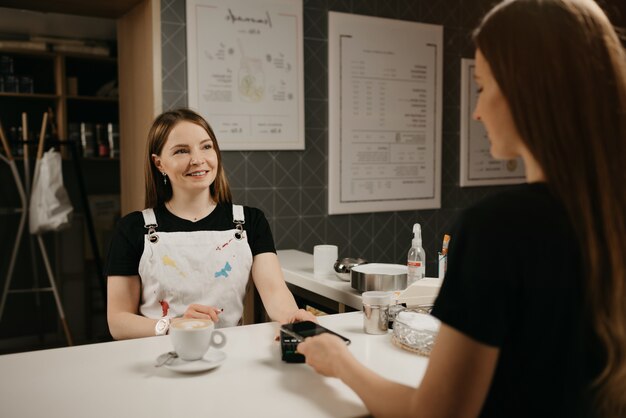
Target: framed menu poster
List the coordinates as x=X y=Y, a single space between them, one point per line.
x=385 y=95
x=245 y=71
x=478 y=167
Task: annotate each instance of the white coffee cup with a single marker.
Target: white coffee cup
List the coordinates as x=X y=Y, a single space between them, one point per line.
x=192 y=338
x=324 y=258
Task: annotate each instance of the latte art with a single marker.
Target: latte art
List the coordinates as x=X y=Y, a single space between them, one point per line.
x=192 y=324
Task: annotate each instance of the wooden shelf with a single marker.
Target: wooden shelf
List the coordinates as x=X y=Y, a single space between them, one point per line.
x=93 y=99
x=91 y=159
x=30 y=52
x=30 y=96
x=90 y=57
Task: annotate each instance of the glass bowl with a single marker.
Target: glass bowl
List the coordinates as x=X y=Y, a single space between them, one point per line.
x=415 y=331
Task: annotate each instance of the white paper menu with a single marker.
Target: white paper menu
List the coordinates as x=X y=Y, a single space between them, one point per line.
x=245 y=75
x=385 y=94
x=478 y=167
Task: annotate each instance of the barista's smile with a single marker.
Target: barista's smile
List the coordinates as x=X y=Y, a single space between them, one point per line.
x=200 y=173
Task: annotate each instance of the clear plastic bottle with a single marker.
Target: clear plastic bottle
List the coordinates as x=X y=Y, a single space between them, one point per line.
x=416 y=259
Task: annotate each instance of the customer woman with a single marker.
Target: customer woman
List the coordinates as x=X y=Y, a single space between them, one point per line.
x=191 y=252
x=533 y=305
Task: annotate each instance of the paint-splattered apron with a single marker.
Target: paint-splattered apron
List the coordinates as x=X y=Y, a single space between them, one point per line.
x=206 y=267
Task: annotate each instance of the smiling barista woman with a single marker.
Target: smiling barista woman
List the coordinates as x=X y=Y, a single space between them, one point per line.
x=191 y=252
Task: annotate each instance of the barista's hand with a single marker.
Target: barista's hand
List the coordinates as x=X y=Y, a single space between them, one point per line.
x=298 y=316
x=202 y=312
x=326 y=353
x=301 y=315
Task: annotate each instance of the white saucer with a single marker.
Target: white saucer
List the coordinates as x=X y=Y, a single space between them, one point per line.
x=212 y=359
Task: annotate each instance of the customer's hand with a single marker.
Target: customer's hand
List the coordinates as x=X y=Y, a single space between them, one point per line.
x=326 y=353
x=198 y=311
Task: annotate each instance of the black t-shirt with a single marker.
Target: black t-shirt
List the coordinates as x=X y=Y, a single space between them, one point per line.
x=127 y=242
x=515 y=281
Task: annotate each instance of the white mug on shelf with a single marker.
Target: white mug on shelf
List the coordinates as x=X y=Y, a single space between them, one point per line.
x=324 y=258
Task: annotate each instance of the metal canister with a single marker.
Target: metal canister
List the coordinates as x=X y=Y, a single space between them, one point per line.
x=376 y=311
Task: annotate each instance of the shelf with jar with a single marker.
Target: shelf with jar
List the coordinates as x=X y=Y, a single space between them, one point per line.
x=79 y=90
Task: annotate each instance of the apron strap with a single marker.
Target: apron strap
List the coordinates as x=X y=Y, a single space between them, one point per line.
x=238 y=219
x=150 y=223
x=238 y=216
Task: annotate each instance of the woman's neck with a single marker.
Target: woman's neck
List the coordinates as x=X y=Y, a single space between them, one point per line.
x=534 y=172
x=192 y=208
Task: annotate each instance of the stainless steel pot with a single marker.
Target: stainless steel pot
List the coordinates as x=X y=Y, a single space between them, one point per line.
x=378 y=276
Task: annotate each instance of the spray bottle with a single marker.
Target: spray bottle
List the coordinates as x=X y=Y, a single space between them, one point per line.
x=416 y=259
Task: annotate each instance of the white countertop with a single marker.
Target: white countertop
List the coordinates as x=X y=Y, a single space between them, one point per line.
x=118 y=379
x=298 y=270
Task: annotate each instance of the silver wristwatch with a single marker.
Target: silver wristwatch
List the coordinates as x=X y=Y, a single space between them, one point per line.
x=162 y=326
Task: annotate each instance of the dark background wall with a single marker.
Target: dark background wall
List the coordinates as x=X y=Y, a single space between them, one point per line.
x=291 y=186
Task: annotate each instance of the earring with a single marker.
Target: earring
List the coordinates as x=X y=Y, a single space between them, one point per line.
x=164 y=177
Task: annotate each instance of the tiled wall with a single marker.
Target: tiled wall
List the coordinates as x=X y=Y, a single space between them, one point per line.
x=291 y=186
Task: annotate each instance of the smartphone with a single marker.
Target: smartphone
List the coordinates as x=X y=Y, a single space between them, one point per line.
x=301 y=330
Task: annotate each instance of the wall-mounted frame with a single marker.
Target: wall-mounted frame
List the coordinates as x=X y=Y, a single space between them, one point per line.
x=478 y=167
x=385 y=97
x=245 y=71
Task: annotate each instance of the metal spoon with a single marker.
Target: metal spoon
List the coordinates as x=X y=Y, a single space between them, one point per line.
x=166 y=358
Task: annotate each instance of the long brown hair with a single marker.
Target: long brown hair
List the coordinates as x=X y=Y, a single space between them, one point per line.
x=561 y=66
x=156 y=191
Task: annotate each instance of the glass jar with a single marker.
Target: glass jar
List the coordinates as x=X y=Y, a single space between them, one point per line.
x=376 y=311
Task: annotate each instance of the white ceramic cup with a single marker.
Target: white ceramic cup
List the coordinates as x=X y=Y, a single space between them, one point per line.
x=324 y=258
x=192 y=338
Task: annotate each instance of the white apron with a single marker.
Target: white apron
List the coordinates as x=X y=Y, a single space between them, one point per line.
x=206 y=267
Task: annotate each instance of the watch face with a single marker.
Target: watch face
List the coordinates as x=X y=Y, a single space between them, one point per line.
x=161 y=326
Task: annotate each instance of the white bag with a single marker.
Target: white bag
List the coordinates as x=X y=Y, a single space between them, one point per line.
x=50 y=206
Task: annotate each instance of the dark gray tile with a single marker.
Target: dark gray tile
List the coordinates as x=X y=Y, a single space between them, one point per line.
x=239 y=195
x=451 y=120
x=454 y=39
x=315 y=4
x=288 y=202
x=365 y=7
x=288 y=169
x=173 y=35
x=441 y=12
x=315 y=69
x=313 y=231
x=260 y=169
x=314 y=201
x=174 y=100
x=344 y=6
x=409 y=10
x=287 y=233
x=450 y=160
x=175 y=77
x=384 y=238
x=173 y=11
x=316 y=114
x=451 y=80
x=446 y=219
x=314 y=164
x=338 y=232
x=235 y=168
x=472 y=12
x=315 y=24
x=388 y=9
x=361 y=238
x=262 y=199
